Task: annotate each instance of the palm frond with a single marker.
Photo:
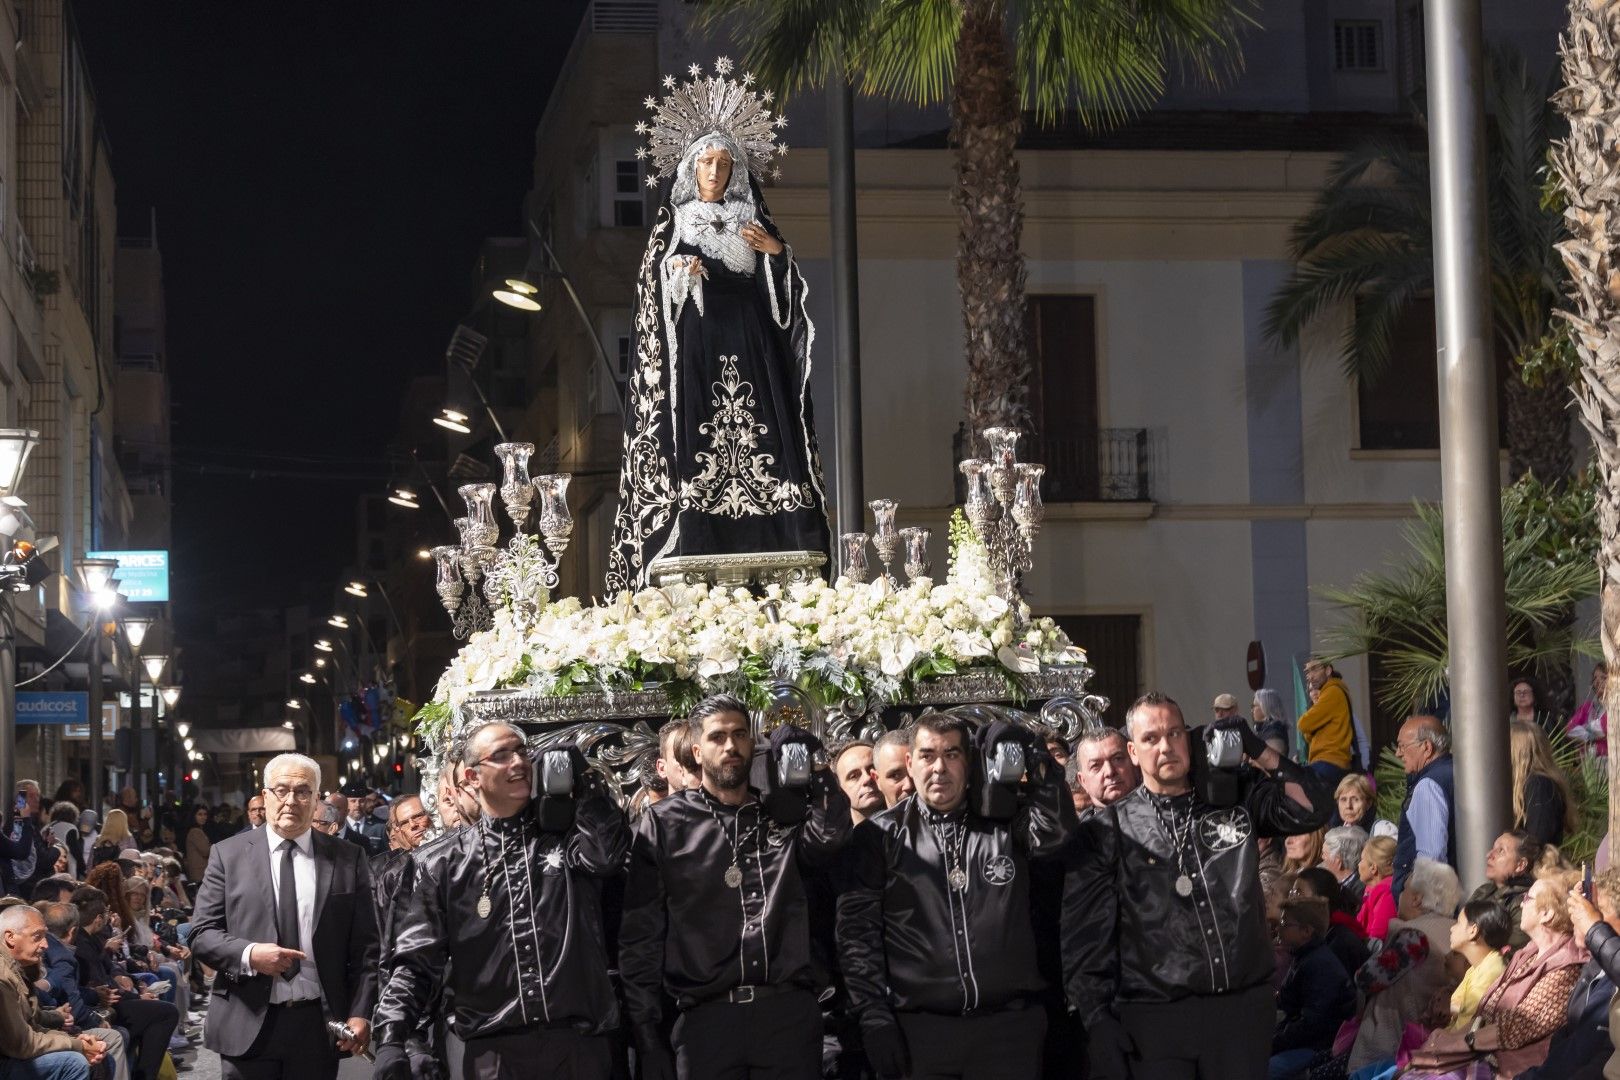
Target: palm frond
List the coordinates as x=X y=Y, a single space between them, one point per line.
x=793 y=45
x=1400 y=612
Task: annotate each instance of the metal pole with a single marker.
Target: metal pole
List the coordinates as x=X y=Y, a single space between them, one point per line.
x=1476 y=611
x=8 y=697
x=584 y=319
x=93 y=682
x=135 y=724
x=846 y=305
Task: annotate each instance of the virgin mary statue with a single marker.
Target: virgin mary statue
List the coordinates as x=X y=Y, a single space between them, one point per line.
x=719 y=445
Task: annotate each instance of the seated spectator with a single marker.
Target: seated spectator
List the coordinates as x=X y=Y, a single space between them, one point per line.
x=1317 y=996
x=1354 y=797
x=1409 y=972
x=1344 y=935
x=1542 y=804
x=27 y=1046
x=1510 y=870
x=1376 y=870
x=1579 y=1049
x=1479 y=936
x=1303 y=851
x=1514 y=1026
x=61 y=989
x=151 y=1023
x=1341 y=854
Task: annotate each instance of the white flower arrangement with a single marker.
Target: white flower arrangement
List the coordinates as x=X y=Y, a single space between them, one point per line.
x=838 y=640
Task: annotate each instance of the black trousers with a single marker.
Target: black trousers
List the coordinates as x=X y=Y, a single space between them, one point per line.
x=772 y=1038
x=554 y=1053
x=293 y=1044
x=1218 y=1037
x=1003 y=1045
x=150 y=1025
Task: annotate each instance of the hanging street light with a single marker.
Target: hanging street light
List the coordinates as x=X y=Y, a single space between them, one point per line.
x=323 y=645
x=171 y=696
x=404 y=497
x=154 y=665
x=339 y=621
x=356 y=588
x=454 y=420
x=96 y=578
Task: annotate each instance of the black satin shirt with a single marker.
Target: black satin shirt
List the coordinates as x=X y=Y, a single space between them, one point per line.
x=1130 y=936
x=687 y=932
x=909 y=942
x=538 y=958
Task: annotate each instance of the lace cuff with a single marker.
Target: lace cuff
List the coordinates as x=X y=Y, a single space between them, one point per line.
x=679 y=285
x=781 y=313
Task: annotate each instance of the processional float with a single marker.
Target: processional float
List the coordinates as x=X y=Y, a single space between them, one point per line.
x=848 y=654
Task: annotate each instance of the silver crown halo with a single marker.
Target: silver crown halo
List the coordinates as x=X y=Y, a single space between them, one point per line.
x=708 y=103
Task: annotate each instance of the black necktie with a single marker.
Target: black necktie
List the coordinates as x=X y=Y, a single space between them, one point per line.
x=287 y=906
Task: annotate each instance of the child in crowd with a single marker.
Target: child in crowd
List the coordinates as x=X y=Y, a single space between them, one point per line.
x=1479 y=934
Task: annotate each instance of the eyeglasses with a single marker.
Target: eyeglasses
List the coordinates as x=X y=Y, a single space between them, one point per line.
x=500 y=758
x=283 y=793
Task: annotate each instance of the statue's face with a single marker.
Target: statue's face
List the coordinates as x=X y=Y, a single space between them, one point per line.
x=712 y=170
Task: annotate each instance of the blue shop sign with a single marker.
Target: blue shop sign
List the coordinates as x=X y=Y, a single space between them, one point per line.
x=53 y=707
x=143 y=576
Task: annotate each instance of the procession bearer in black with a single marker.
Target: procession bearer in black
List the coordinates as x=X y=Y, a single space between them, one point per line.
x=507 y=915
x=934 y=930
x=715 y=914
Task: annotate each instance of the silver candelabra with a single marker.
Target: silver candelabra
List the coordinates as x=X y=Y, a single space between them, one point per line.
x=474 y=576
x=888 y=541
x=1004 y=507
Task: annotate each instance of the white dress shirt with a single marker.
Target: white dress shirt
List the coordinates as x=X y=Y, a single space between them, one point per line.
x=306 y=985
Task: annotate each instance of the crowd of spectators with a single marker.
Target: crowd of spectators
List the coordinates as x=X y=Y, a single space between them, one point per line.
x=98 y=978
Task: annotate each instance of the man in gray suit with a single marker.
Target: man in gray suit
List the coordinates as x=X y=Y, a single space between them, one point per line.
x=284 y=915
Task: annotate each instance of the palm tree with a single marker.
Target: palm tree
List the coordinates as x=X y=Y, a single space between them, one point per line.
x=991 y=60
x=1589 y=176
x=1400 y=613
x=1369 y=239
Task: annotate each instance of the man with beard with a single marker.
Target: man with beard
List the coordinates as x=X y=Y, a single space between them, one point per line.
x=1167 y=955
x=506 y=917
x=853 y=768
x=889 y=762
x=675 y=765
x=255 y=813
x=935 y=933
x=716 y=913
x=1104 y=766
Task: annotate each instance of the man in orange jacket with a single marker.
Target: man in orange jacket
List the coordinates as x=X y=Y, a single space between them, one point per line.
x=1329 y=731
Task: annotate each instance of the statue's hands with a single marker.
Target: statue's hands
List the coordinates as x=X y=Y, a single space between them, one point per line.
x=759 y=239
x=694 y=266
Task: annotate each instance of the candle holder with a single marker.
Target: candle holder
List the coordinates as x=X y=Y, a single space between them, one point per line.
x=474 y=578
x=1003 y=504
x=915 y=539
x=855 y=567
x=884 y=537
x=517 y=492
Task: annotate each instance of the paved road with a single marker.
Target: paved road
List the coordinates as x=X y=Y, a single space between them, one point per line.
x=206 y=1067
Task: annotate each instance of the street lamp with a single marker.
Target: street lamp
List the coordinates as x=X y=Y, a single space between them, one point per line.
x=294 y=704
x=404 y=497
x=96 y=578
x=182 y=729
x=323 y=645
x=154 y=665
x=454 y=420
x=171 y=696
x=522 y=292
x=306 y=677
x=135 y=628
x=356 y=588
x=339 y=621
x=15 y=446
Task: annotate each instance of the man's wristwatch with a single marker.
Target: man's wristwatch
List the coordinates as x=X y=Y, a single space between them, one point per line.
x=1468 y=1037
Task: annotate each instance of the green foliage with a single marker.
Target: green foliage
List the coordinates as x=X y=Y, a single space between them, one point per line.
x=1105 y=59
x=1551 y=360
x=1549 y=557
x=1369 y=237
x=1588 y=785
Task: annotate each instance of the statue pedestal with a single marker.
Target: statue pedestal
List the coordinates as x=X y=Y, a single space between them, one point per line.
x=753 y=569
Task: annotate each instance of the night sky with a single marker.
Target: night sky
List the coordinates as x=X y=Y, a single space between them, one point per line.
x=322 y=175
